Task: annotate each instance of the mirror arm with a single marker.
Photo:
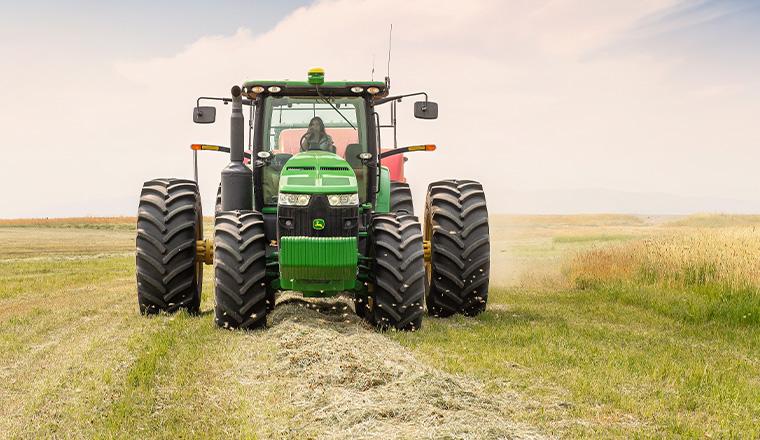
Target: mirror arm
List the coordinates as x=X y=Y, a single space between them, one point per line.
x=224 y=100
x=398 y=98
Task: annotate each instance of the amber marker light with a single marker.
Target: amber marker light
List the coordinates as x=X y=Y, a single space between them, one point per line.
x=204 y=147
x=422 y=148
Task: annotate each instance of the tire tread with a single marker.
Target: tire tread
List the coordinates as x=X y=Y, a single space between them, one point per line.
x=456 y=219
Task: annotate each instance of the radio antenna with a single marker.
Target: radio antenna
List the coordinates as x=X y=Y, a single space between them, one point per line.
x=390 y=39
x=373 y=68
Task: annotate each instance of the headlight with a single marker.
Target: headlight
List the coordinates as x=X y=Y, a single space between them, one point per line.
x=294 y=199
x=343 y=199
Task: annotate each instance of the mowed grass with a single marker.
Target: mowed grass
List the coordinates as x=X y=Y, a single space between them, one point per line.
x=77 y=360
x=636 y=355
x=623 y=357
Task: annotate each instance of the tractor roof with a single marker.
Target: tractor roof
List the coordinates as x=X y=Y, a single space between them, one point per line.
x=376 y=89
x=303 y=88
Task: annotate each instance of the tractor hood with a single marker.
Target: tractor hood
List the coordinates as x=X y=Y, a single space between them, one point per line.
x=317 y=172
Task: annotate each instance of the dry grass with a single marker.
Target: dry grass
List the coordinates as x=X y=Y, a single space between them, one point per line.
x=721 y=257
x=69 y=222
x=715 y=220
x=529 y=250
x=569 y=220
x=79 y=222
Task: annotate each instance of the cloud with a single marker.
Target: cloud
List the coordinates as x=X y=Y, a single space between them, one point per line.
x=532 y=95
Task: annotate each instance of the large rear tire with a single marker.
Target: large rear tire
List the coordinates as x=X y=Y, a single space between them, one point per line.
x=218 y=204
x=399 y=272
x=456 y=224
x=169 y=222
x=240 y=294
x=401 y=198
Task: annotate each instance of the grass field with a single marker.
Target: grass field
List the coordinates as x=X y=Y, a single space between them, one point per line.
x=597 y=327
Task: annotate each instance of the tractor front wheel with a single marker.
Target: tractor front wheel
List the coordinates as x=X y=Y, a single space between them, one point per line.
x=399 y=272
x=169 y=223
x=240 y=292
x=456 y=224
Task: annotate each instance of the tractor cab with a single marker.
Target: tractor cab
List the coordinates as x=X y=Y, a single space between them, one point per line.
x=345 y=128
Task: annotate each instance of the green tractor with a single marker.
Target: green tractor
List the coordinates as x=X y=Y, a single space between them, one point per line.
x=316 y=206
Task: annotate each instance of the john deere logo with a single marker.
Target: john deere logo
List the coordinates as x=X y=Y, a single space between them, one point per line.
x=319 y=224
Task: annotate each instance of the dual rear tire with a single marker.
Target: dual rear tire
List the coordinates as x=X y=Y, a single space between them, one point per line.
x=456 y=225
x=401 y=198
x=169 y=223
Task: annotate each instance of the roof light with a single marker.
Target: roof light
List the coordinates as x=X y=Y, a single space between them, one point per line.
x=373 y=90
x=274 y=89
x=257 y=89
x=316 y=76
x=357 y=89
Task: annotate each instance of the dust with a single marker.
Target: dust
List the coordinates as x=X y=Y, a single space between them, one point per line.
x=350 y=382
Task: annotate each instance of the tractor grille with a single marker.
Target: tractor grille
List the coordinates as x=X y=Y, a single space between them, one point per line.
x=339 y=221
x=301 y=168
x=333 y=169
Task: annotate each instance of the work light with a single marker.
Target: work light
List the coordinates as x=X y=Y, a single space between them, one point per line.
x=294 y=199
x=343 y=199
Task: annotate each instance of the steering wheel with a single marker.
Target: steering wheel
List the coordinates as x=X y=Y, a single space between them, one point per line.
x=279 y=160
x=309 y=144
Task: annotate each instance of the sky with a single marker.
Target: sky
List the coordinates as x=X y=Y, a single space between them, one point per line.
x=556 y=106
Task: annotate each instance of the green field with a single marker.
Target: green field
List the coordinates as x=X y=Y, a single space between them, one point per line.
x=615 y=357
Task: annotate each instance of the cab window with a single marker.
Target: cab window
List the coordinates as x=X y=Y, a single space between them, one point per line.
x=286 y=125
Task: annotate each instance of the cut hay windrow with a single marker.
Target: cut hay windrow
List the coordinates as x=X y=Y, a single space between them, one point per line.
x=350 y=382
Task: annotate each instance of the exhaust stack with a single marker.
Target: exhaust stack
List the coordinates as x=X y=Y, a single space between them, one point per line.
x=237 y=183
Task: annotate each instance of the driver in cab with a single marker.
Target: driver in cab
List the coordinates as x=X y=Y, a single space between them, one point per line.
x=316 y=138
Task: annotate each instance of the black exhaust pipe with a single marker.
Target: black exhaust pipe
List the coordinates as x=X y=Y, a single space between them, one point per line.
x=237 y=180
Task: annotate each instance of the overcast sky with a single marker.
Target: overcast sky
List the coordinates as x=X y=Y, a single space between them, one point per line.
x=535 y=97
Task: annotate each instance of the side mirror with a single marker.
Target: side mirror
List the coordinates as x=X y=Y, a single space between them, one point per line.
x=204 y=115
x=426 y=110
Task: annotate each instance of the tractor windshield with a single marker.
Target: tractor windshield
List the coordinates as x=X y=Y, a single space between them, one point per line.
x=290 y=128
x=288 y=121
